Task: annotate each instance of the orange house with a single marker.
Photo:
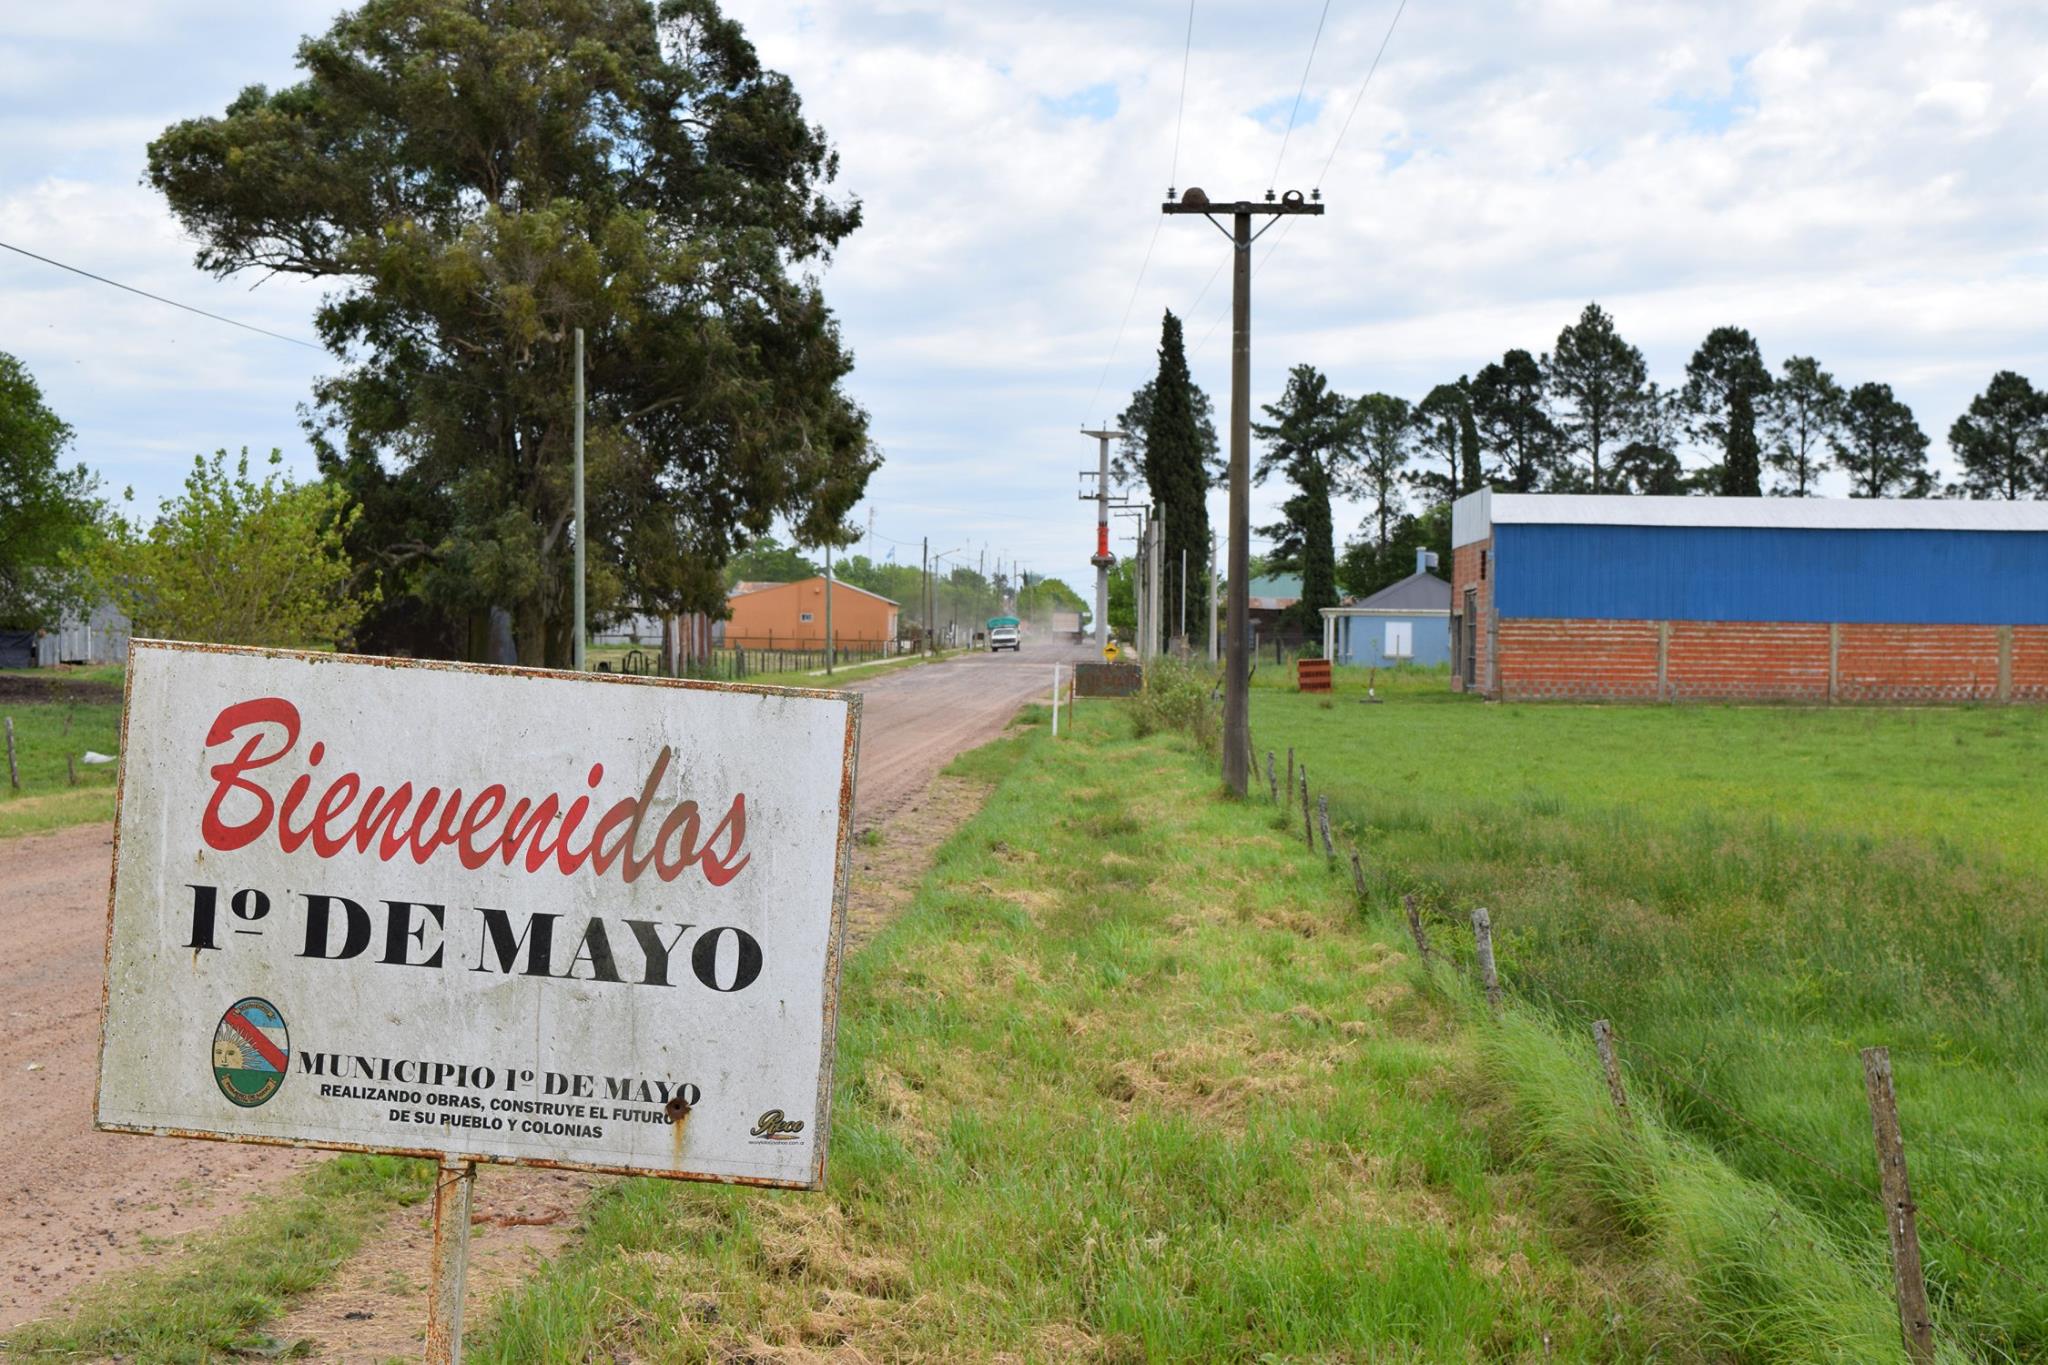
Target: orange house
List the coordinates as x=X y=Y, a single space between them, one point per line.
x=792 y=615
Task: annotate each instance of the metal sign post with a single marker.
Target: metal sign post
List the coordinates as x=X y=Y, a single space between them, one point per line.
x=468 y=913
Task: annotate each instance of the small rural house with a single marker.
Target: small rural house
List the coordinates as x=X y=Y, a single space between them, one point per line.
x=1267 y=600
x=792 y=616
x=1749 y=599
x=1408 y=622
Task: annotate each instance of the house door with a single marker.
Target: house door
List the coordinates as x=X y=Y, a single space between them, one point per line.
x=1471 y=639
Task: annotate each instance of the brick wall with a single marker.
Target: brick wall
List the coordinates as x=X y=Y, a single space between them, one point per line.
x=2030 y=663
x=1764 y=661
x=1465 y=573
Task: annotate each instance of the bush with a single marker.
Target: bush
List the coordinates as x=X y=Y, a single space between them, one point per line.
x=1178 y=697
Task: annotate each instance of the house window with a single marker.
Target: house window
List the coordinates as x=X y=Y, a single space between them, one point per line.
x=1482 y=566
x=805 y=618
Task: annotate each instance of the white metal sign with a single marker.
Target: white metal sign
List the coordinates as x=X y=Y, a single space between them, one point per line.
x=476 y=912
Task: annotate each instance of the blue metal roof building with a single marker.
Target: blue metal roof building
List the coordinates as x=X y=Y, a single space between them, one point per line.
x=1682 y=564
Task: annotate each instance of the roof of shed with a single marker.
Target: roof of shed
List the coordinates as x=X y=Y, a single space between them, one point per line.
x=1474 y=516
x=1416 y=592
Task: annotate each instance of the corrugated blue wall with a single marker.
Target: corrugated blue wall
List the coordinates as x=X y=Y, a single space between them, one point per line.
x=1687 y=573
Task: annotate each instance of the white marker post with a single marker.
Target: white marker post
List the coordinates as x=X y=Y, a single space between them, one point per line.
x=477 y=914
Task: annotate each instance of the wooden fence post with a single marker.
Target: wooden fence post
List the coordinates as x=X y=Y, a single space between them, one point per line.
x=1899 y=1220
x=1415 y=928
x=1323 y=820
x=1357 y=876
x=71 y=769
x=1482 y=937
x=1308 y=822
x=1289 y=788
x=13 y=773
x=1272 y=783
x=1603 y=1039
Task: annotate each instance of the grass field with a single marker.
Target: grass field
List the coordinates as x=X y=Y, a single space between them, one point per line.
x=1131 y=1079
x=51 y=722
x=1753 y=895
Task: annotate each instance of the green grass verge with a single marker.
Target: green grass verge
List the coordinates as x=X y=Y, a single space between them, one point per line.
x=213 y=1296
x=45 y=732
x=1130 y=1079
x=1753 y=895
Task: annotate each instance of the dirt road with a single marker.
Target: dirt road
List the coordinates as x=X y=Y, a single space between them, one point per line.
x=75 y=1203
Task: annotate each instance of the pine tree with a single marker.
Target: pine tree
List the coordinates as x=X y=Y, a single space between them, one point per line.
x=1599 y=379
x=1880 y=446
x=1177 y=472
x=1305 y=440
x=1724 y=381
x=1507 y=405
x=2002 y=441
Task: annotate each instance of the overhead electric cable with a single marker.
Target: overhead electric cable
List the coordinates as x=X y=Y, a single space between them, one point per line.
x=159 y=298
x=1187 y=48
x=1360 y=96
x=1306 y=68
x=1355 y=102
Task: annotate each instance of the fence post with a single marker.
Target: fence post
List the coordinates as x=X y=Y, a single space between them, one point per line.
x=1055 y=701
x=1272 y=783
x=71 y=769
x=1289 y=788
x=1482 y=937
x=1357 y=876
x=1603 y=1040
x=1323 y=820
x=1415 y=928
x=13 y=773
x=1308 y=827
x=1899 y=1210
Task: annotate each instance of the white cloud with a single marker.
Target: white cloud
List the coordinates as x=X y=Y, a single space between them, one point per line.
x=1859 y=182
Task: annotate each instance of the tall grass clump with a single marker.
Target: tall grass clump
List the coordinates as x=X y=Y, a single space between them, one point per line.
x=1178 y=698
x=1753 y=895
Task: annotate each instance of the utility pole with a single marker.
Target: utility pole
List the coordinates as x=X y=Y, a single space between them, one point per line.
x=1183 y=592
x=1236 y=676
x=1158 y=578
x=577 y=655
x=1212 y=606
x=828 y=608
x=1102 y=559
x=925 y=567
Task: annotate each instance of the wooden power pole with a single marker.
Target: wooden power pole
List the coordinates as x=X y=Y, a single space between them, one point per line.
x=1236 y=670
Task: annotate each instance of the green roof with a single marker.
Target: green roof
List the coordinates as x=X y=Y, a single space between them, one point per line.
x=1275 y=585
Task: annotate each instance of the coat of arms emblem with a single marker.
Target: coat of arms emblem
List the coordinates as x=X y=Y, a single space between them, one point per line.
x=251 y=1052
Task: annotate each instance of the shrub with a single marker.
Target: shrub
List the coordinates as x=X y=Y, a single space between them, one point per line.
x=1178 y=697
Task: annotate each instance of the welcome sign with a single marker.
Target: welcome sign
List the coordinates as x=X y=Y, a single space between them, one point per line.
x=482 y=913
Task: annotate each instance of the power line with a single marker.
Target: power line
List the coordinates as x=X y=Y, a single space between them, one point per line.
x=1356 y=100
x=1360 y=96
x=245 y=326
x=1306 y=68
x=1187 y=49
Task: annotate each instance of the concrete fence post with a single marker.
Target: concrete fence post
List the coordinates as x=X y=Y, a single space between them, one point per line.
x=1482 y=938
x=1603 y=1042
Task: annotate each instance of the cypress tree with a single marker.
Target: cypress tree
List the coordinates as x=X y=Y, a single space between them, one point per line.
x=1177 y=472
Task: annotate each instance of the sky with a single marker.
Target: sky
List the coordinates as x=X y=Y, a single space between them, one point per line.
x=1861 y=182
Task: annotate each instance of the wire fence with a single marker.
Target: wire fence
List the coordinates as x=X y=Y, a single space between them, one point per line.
x=1559 y=1006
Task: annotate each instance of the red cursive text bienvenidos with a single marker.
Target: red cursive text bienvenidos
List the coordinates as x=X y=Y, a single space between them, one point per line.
x=489 y=824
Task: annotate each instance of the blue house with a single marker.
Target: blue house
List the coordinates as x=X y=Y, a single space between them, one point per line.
x=1408 y=622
